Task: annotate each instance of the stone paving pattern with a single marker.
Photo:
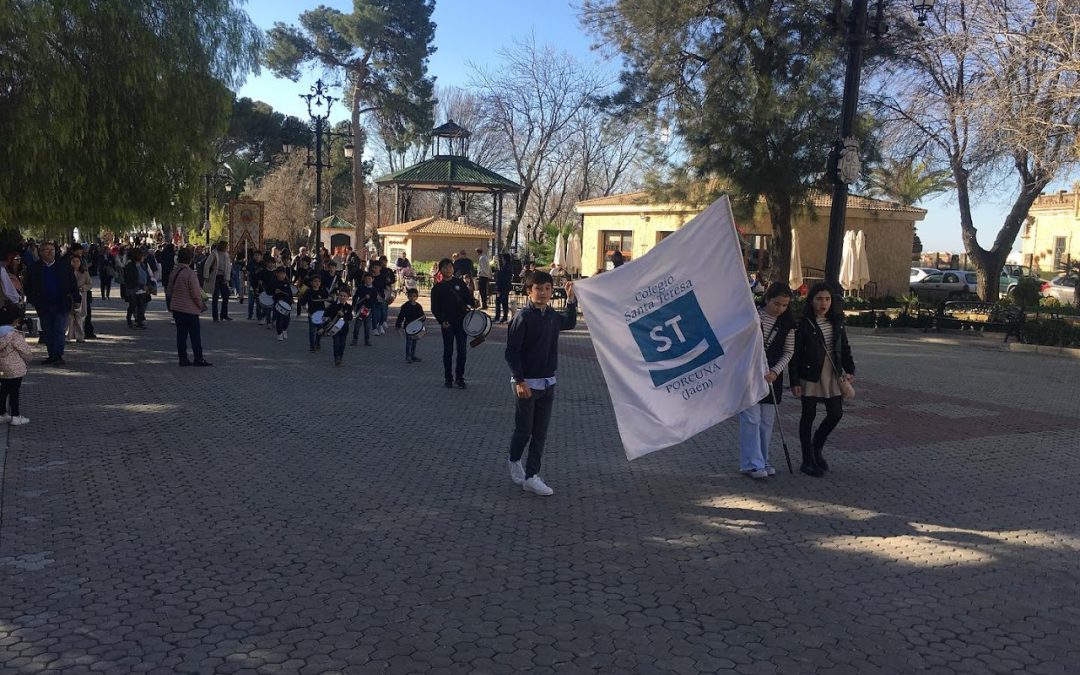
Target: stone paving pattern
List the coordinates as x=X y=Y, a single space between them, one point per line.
x=275 y=514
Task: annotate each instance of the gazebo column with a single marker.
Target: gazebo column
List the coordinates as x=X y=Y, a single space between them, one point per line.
x=378 y=207
x=397 y=204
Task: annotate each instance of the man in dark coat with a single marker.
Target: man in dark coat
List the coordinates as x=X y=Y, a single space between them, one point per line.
x=51 y=289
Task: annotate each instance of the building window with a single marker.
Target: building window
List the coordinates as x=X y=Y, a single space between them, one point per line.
x=618 y=241
x=1059 y=252
x=661 y=236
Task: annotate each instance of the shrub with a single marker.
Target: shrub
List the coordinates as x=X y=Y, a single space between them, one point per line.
x=1052 y=333
x=1027 y=292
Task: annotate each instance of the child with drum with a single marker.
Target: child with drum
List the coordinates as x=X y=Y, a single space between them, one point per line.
x=363 y=305
x=411 y=315
x=336 y=325
x=283 y=298
x=315 y=297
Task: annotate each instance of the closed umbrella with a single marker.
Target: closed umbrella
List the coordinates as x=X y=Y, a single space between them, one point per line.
x=862 y=266
x=795 y=276
x=560 y=251
x=847 y=262
x=573 y=254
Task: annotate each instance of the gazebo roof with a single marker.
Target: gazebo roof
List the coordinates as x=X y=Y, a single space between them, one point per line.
x=449 y=171
x=434 y=226
x=450 y=129
x=335 y=223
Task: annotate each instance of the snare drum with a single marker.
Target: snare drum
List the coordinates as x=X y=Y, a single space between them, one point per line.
x=415 y=329
x=317 y=317
x=477 y=324
x=266 y=301
x=283 y=307
x=336 y=328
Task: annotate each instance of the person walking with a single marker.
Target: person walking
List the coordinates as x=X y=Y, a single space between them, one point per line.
x=451 y=300
x=52 y=290
x=821 y=368
x=187 y=305
x=756 y=422
x=106 y=272
x=216 y=280
x=76 y=328
x=137 y=287
x=504 y=279
x=166 y=258
x=483 y=276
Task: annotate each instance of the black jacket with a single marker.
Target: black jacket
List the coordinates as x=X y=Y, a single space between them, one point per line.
x=365 y=297
x=35 y=287
x=408 y=313
x=775 y=351
x=336 y=310
x=810 y=355
x=315 y=299
x=504 y=277
x=451 y=300
x=532 y=343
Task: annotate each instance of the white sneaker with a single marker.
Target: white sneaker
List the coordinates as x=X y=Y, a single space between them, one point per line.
x=280 y=337
x=19 y=421
x=285 y=334
x=757 y=473
x=770 y=470
x=5 y=418
x=517 y=472
x=537 y=486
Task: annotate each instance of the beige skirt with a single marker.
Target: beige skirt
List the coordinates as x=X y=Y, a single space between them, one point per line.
x=827 y=386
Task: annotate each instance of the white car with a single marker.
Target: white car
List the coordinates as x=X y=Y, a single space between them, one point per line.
x=1062 y=288
x=920 y=273
x=946 y=285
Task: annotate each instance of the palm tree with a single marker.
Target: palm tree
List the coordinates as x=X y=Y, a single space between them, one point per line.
x=907 y=180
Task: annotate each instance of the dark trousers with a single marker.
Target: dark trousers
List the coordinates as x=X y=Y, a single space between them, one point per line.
x=221 y=289
x=834 y=410
x=366 y=321
x=455 y=334
x=9 y=396
x=531 y=418
x=314 y=339
x=136 y=307
x=253 y=306
x=339 y=345
x=482 y=282
x=106 y=285
x=410 y=347
x=54 y=331
x=281 y=321
x=88 y=324
x=502 y=304
x=187 y=327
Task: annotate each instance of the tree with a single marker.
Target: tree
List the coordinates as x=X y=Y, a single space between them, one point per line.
x=532 y=101
x=381 y=50
x=990 y=89
x=289 y=193
x=109 y=110
x=750 y=86
x=907 y=180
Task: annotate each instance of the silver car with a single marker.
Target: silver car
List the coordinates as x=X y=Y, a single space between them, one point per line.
x=1063 y=289
x=946 y=285
x=920 y=273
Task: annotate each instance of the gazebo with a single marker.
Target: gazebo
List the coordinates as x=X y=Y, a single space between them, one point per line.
x=450 y=171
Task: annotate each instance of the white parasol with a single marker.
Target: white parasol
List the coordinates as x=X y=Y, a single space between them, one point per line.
x=573 y=254
x=560 y=251
x=862 y=267
x=795 y=276
x=847 y=262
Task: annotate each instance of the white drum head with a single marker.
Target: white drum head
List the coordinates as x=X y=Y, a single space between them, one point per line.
x=336 y=328
x=283 y=307
x=415 y=328
x=317 y=317
x=266 y=300
x=477 y=324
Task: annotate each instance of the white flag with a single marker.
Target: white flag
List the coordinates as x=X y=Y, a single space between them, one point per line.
x=677 y=334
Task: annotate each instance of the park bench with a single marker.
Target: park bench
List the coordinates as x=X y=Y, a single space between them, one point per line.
x=974 y=315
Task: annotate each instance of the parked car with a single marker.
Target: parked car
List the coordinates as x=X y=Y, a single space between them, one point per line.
x=946 y=285
x=1011 y=275
x=920 y=273
x=1063 y=289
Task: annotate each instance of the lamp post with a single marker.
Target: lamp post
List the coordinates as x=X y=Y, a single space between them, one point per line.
x=319 y=103
x=206 y=204
x=844 y=167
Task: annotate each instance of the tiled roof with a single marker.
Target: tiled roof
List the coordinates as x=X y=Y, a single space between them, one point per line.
x=335 y=223
x=435 y=226
x=818 y=199
x=450 y=171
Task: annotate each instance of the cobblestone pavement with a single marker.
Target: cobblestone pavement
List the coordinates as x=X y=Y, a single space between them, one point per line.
x=275 y=514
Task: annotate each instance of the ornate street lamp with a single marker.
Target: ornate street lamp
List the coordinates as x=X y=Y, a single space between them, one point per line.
x=844 y=164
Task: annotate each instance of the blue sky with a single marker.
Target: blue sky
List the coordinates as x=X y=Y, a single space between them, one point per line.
x=473 y=31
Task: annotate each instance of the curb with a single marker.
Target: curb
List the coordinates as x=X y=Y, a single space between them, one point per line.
x=969 y=339
x=1067 y=352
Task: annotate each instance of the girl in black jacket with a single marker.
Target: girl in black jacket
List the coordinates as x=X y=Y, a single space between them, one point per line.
x=822 y=359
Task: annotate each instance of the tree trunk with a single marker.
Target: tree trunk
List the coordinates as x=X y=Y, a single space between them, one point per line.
x=988 y=263
x=358 y=193
x=519 y=213
x=780 y=209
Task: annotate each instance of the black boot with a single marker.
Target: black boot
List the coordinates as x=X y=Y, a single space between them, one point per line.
x=819 y=460
x=809 y=466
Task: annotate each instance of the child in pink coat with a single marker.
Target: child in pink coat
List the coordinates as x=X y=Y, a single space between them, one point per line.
x=14 y=355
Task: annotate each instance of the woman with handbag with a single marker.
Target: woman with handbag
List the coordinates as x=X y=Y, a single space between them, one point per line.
x=76 y=328
x=822 y=371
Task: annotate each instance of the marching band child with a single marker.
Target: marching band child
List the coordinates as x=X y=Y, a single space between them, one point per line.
x=409 y=312
x=282 y=292
x=363 y=303
x=341 y=308
x=315 y=297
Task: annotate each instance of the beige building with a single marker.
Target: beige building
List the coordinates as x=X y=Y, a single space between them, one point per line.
x=1050 y=238
x=433 y=238
x=634 y=223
